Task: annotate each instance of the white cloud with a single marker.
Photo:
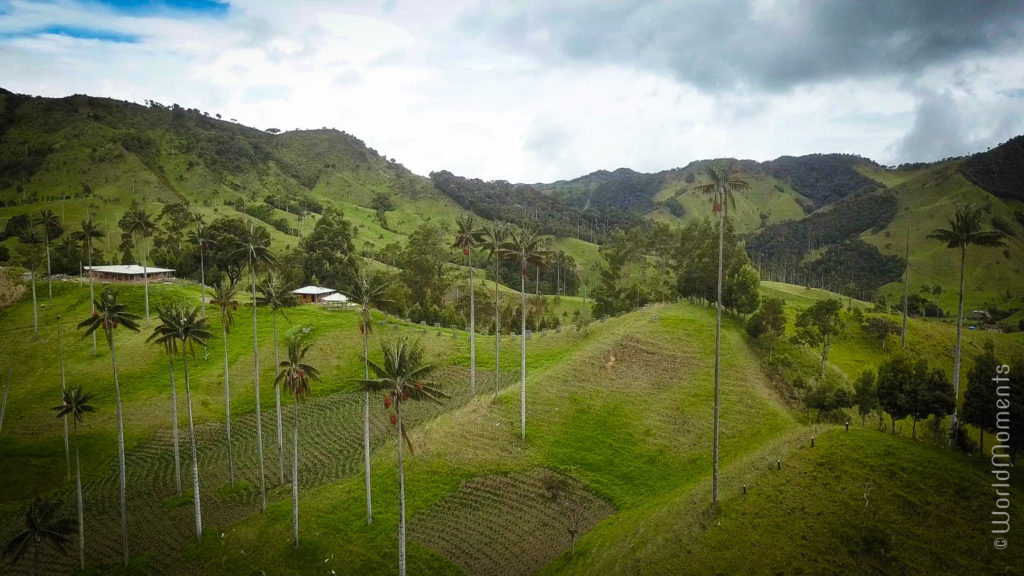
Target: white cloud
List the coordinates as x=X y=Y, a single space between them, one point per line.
x=417 y=82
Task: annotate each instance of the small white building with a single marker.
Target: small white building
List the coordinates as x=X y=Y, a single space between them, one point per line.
x=312 y=294
x=129 y=273
x=335 y=300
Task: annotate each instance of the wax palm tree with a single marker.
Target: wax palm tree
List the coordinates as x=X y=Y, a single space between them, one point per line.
x=32 y=239
x=223 y=298
x=184 y=325
x=274 y=294
x=402 y=377
x=367 y=291
x=44 y=522
x=964 y=230
x=296 y=376
x=168 y=315
x=75 y=405
x=63 y=388
x=199 y=236
x=108 y=315
x=724 y=182
x=90 y=230
x=523 y=247
x=255 y=245
x=49 y=222
x=495 y=234
x=141 y=226
x=467 y=237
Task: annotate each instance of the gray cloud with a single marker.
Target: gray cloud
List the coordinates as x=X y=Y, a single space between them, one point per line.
x=725 y=45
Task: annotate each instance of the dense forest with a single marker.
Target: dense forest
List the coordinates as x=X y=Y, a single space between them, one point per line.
x=824 y=178
x=999 y=170
x=847 y=263
x=523 y=204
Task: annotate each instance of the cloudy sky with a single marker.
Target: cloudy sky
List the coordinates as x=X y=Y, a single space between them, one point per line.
x=537 y=91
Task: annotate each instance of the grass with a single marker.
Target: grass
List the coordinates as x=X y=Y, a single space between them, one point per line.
x=623 y=408
x=862 y=502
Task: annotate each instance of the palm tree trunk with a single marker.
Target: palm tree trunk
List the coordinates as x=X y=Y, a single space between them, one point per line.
x=906 y=293
x=227 y=404
x=78 y=494
x=120 y=448
x=366 y=434
x=956 y=358
x=195 y=459
x=49 y=274
x=35 y=308
x=277 y=402
x=401 y=493
x=202 y=278
x=522 y=357
x=63 y=388
x=174 y=418
x=256 y=387
x=718 y=350
x=92 y=296
x=472 y=328
x=145 y=278
x=497 y=325
x=295 y=471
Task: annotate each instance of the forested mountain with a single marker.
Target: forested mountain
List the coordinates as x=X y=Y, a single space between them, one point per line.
x=835 y=219
x=999 y=170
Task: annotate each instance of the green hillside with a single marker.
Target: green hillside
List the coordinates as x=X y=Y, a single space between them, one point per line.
x=620 y=410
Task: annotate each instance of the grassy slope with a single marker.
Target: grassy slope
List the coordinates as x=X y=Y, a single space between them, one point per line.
x=927 y=199
x=762 y=196
x=811 y=517
x=632 y=434
x=637 y=434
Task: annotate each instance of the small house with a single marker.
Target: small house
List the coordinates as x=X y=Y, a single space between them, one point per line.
x=312 y=294
x=129 y=273
x=335 y=301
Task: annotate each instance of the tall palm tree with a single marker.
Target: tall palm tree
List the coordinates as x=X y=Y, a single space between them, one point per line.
x=141 y=226
x=63 y=388
x=724 y=182
x=44 y=522
x=223 y=298
x=296 y=376
x=256 y=247
x=108 y=315
x=964 y=230
x=76 y=404
x=183 y=324
x=50 y=224
x=467 y=237
x=367 y=291
x=167 y=314
x=274 y=294
x=199 y=236
x=495 y=234
x=90 y=230
x=523 y=247
x=32 y=239
x=401 y=377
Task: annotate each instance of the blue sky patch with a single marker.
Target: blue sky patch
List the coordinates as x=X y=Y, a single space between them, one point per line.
x=142 y=7
x=88 y=34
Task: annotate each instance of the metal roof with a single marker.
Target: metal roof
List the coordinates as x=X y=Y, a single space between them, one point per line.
x=129 y=269
x=313 y=290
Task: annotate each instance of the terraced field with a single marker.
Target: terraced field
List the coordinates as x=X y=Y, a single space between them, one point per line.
x=507 y=525
x=160 y=524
